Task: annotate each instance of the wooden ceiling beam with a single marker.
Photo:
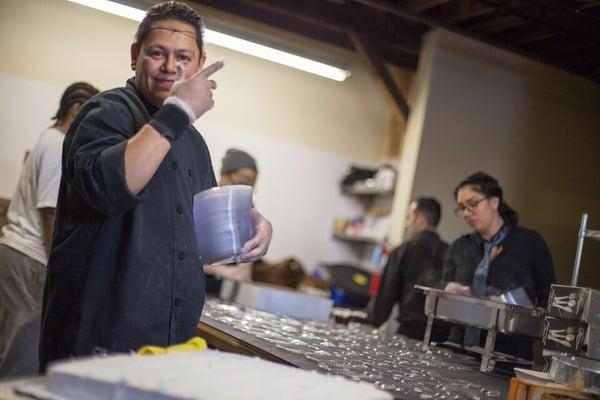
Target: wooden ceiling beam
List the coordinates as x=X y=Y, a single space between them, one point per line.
x=584 y=61
x=496 y=25
x=560 y=47
x=404 y=12
x=358 y=17
x=370 y=54
x=526 y=36
x=534 y=38
x=310 y=16
x=325 y=26
x=424 y=5
x=460 y=11
x=566 y=23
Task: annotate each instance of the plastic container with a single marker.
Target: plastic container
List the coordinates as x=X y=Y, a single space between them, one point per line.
x=223 y=222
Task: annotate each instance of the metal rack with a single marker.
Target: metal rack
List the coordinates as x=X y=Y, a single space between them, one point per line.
x=583 y=234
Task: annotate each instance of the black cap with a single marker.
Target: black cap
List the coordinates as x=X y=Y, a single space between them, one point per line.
x=237 y=159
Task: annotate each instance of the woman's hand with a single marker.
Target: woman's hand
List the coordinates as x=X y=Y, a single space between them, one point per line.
x=255 y=248
x=457 y=288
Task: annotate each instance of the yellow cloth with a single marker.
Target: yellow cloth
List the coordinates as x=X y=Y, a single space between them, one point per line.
x=194 y=344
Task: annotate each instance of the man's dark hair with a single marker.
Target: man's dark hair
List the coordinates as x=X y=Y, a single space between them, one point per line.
x=489 y=187
x=78 y=92
x=171 y=10
x=430 y=208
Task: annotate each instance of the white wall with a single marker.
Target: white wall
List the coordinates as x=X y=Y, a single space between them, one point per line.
x=535 y=128
x=303 y=129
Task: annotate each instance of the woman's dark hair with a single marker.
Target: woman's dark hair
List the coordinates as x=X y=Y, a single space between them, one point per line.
x=489 y=187
x=171 y=10
x=78 y=92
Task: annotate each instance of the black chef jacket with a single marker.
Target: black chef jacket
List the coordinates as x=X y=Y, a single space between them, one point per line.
x=524 y=261
x=417 y=261
x=124 y=270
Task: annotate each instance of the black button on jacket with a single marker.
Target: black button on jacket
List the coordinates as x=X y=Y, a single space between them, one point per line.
x=124 y=269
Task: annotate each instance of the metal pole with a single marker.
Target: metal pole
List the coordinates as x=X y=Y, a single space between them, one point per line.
x=578 y=253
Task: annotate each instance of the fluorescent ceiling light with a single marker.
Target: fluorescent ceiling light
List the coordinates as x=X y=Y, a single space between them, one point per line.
x=232 y=42
x=277 y=56
x=113 y=8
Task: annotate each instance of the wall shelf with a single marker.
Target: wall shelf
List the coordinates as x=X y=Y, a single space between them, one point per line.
x=355 y=238
x=367 y=192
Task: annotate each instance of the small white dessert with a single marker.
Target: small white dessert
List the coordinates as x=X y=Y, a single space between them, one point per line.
x=210 y=375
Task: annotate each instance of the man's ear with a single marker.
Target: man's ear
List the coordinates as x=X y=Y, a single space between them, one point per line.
x=422 y=220
x=135 y=52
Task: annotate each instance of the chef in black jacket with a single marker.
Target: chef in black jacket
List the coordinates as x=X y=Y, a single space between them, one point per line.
x=498 y=256
x=419 y=261
x=124 y=269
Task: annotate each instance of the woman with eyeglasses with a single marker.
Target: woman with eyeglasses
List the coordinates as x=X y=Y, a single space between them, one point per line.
x=497 y=257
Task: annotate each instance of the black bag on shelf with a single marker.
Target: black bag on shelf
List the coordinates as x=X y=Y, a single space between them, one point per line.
x=356 y=174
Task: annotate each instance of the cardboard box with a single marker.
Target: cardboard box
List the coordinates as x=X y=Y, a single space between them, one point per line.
x=574 y=303
x=521 y=389
x=277 y=300
x=564 y=336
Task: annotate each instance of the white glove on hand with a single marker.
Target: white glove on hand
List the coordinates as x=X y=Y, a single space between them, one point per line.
x=194 y=96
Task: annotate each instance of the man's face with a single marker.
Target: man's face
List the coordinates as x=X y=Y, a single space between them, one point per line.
x=243 y=176
x=155 y=59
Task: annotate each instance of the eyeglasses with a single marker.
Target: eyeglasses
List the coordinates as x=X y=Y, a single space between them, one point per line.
x=470 y=205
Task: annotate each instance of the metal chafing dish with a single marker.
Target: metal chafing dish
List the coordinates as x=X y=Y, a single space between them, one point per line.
x=485 y=314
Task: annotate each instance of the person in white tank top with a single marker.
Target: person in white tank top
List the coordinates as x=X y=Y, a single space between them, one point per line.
x=26 y=239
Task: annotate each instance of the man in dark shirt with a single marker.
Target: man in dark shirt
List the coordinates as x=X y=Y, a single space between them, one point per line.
x=419 y=261
x=124 y=270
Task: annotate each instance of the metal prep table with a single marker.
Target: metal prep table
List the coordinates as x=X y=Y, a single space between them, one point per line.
x=485 y=314
x=225 y=337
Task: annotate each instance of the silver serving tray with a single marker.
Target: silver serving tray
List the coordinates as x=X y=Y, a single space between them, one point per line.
x=482 y=313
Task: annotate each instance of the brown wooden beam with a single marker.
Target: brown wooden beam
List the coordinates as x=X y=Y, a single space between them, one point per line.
x=343 y=17
x=460 y=11
x=325 y=25
x=424 y=5
x=370 y=54
x=563 y=21
x=525 y=40
x=560 y=47
x=526 y=36
x=404 y=12
x=495 y=25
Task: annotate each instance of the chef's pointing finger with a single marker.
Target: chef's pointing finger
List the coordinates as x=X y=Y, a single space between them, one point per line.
x=211 y=69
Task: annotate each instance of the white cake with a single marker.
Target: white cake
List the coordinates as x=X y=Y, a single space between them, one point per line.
x=210 y=375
